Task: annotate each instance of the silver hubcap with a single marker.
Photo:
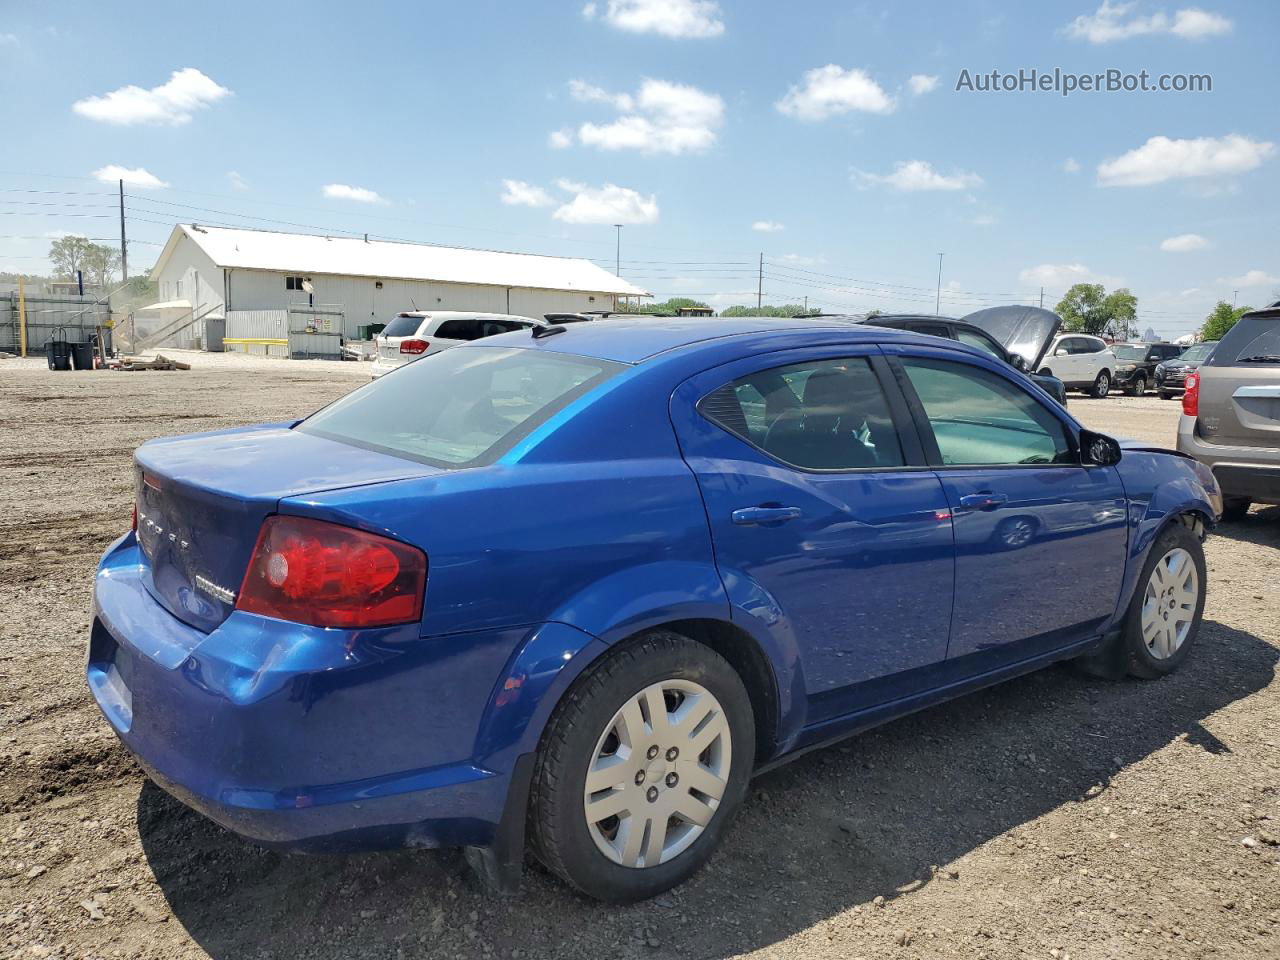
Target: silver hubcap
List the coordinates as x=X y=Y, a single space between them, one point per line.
x=1169 y=604
x=658 y=773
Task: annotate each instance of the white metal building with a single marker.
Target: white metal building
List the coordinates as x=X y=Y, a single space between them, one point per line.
x=216 y=270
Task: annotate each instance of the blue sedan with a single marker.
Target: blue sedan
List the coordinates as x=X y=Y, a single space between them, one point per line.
x=572 y=589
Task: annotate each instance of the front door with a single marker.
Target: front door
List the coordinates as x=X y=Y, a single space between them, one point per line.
x=830 y=532
x=1040 y=538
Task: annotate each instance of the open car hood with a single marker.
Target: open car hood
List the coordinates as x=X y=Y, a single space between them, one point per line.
x=1026 y=331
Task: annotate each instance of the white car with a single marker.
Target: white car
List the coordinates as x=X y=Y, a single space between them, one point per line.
x=1081 y=362
x=419 y=332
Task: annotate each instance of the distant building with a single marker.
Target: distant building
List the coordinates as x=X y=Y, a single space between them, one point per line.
x=211 y=271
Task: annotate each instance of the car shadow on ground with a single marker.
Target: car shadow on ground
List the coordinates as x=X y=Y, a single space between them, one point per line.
x=1261 y=526
x=832 y=830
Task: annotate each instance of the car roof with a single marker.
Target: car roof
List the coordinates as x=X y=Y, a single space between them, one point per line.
x=463 y=314
x=626 y=341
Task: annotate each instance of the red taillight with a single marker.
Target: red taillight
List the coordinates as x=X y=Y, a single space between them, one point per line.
x=311 y=571
x=1191 y=395
x=414 y=346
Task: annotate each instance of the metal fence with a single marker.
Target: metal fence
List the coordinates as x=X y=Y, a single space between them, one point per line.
x=49 y=315
x=259 y=332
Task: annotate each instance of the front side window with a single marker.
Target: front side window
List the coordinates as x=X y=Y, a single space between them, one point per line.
x=460 y=407
x=980 y=419
x=818 y=415
x=979 y=341
x=1128 y=351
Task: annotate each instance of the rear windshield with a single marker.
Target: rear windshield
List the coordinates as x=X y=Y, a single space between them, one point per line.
x=1127 y=351
x=403 y=326
x=461 y=407
x=1254 y=339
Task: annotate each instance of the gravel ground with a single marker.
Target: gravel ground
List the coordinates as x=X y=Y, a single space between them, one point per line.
x=1052 y=817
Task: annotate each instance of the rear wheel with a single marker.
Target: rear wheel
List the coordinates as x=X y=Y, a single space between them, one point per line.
x=1164 y=616
x=1139 y=387
x=1235 y=508
x=641 y=769
x=1101 y=386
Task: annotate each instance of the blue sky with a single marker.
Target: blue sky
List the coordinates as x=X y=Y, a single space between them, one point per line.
x=535 y=126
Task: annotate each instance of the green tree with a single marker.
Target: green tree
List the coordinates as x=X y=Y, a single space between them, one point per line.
x=1088 y=308
x=100 y=265
x=1221 y=319
x=670 y=306
x=768 y=310
x=68 y=254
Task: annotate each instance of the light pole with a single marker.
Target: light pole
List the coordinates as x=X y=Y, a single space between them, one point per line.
x=937 y=306
x=617 y=269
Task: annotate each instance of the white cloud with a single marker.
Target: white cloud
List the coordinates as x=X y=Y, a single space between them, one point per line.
x=1112 y=21
x=922 y=83
x=799 y=260
x=237 y=182
x=984 y=220
x=669 y=18
x=1252 y=278
x=517 y=193
x=768 y=226
x=662 y=117
x=1183 y=243
x=340 y=191
x=607 y=204
x=911 y=176
x=133 y=177
x=831 y=90
x=1056 y=274
x=1070 y=165
x=1161 y=159
x=560 y=139
x=173 y=102
x=8 y=38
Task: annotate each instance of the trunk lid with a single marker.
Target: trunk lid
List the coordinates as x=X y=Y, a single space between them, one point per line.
x=1240 y=384
x=202 y=498
x=1026 y=331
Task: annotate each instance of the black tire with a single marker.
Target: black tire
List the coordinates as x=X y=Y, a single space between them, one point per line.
x=1235 y=509
x=1101 y=386
x=1139 y=386
x=559 y=832
x=1141 y=663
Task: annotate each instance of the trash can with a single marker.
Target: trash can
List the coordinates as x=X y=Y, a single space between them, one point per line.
x=57 y=351
x=82 y=355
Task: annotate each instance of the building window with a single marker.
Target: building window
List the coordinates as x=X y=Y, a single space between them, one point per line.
x=179 y=296
x=293 y=283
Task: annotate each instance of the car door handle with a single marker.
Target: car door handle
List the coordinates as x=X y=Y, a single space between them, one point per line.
x=983 y=501
x=746 y=516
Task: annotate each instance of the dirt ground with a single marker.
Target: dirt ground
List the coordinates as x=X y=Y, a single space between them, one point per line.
x=1052 y=817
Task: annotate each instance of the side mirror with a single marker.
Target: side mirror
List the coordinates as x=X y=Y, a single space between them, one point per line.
x=1097 y=449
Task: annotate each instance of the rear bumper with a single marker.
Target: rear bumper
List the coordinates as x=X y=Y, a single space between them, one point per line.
x=1252 y=472
x=307 y=738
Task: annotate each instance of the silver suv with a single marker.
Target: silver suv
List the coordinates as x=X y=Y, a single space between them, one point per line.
x=1231 y=413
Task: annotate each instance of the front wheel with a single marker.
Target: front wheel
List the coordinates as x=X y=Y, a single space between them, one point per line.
x=1139 y=387
x=1164 y=616
x=641 y=768
x=1101 y=386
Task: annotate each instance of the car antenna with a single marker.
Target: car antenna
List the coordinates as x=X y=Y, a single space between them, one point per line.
x=551 y=331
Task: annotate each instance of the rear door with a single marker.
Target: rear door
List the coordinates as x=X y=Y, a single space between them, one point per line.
x=831 y=534
x=1040 y=539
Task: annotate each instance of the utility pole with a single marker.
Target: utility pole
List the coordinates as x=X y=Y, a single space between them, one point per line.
x=124 y=251
x=1235 y=294
x=937 y=308
x=806 y=303
x=1042 y=298
x=760 y=284
x=618 y=253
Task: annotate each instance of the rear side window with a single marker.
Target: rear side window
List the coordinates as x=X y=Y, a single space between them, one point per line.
x=402 y=326
x=981 y=419
x=461 y=407
x=820 y=415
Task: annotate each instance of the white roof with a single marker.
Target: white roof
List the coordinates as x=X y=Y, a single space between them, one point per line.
x=351 y=256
